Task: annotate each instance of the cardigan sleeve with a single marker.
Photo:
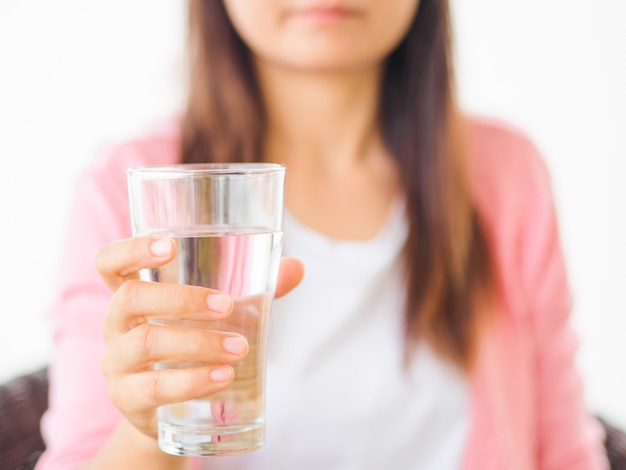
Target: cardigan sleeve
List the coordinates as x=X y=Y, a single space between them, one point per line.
x=80 y=416
x=568 y=437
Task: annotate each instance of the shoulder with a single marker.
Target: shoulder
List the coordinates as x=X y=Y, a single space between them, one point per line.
x=509 y=179
x=503 y=160
x=158 y=144
x=105 y=174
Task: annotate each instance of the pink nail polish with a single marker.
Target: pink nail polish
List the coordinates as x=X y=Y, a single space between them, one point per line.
x=234 y=344
x=161 y=248
x=221 y=374
x=218 y=302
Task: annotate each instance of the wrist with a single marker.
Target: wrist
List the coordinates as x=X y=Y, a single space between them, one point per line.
x=129 y=448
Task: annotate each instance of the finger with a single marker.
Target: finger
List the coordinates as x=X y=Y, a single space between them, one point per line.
x=145 y=345
x=290 y=274
x=122 y=259
x=134 y=302
x=142 y=392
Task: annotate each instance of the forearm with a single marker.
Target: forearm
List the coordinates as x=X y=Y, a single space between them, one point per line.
x=127 y=448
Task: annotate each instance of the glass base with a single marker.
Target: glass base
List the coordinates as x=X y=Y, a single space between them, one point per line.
x=198 y=442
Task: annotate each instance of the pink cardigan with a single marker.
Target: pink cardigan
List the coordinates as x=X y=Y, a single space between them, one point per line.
x=527 y=409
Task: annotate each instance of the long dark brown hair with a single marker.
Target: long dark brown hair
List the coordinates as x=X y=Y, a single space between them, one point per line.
x=447 y=262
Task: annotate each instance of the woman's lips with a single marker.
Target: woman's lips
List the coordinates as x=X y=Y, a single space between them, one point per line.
x=325 y=15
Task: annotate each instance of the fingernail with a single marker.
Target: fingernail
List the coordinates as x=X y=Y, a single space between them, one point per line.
x=218 y=302
x=161 y=248
x=234 y=344
x=221 y=374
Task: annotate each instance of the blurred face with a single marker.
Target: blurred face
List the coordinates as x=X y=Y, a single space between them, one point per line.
x=321 y=34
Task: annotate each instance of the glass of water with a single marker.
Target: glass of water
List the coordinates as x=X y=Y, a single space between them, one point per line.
x=226 y=220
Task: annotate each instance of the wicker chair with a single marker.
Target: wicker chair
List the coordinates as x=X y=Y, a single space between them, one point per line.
x=22 y=402
x=24 y=399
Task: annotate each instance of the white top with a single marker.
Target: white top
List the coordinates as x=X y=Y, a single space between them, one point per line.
x=337 y=395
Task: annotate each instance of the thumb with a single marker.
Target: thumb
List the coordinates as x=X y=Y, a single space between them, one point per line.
x=290 y=274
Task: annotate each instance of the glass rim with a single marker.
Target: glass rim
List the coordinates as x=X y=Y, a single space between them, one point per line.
x=186 y=170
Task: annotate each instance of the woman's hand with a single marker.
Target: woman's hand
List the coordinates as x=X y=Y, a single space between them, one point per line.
x=134 y=344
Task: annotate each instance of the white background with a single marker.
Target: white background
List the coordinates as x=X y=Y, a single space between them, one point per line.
x=75 y=75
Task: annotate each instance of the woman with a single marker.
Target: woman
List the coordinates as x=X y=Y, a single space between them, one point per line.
x=431 y=330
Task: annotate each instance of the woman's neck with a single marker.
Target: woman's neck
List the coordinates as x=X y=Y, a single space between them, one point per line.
x=325 y=129
x=326 y=121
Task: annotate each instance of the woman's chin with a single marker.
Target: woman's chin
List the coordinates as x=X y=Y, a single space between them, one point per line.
x=323 y=63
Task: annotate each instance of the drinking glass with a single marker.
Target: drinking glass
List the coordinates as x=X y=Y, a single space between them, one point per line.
x=226 y=220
